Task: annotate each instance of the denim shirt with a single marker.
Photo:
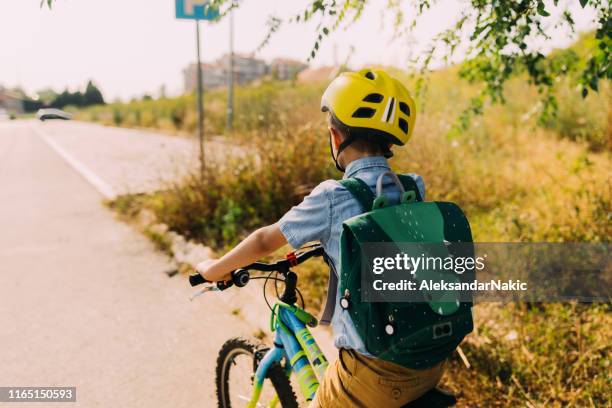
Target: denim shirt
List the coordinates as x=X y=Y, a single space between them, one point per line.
x=319 y=217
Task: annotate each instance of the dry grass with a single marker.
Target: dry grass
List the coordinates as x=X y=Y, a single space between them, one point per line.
x=552 y=355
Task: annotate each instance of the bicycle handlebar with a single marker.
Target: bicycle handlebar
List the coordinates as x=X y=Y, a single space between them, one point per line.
x=283 y=265
x=240 y=277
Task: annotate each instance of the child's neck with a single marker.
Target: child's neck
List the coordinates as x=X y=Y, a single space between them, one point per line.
x=350 y=155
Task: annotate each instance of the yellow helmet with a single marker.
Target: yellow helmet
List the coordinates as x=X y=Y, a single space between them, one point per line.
x=372 y=100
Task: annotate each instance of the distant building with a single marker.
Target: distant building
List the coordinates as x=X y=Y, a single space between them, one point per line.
x=246 y=69
x=283 y=68
x=213 y=76
x=10 y=101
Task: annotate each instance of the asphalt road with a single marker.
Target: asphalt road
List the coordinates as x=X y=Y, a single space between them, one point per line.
x=84 y=300
x=128 y=160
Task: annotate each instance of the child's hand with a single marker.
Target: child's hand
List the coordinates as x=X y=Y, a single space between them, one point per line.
x=203 y=268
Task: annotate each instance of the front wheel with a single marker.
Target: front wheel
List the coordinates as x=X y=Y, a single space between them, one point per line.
x=234 y=377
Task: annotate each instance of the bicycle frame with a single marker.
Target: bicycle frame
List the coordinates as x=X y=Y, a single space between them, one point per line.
x=293 y=341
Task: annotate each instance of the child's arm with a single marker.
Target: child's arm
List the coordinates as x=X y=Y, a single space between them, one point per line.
x=308 y=221
x=260 y=243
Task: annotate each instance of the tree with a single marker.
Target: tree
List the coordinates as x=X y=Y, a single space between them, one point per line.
x=68 y=98
x=31 y=105
x=93 y=96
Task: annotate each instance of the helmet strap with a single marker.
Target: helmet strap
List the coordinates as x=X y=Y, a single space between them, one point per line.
x=345 y=143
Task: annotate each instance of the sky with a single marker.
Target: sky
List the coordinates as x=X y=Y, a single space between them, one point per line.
x=133 y=47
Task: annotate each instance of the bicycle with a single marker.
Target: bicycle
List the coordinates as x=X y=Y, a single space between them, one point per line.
x=294 y=350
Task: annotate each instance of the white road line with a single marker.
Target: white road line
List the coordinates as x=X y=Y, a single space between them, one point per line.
x=102 y=186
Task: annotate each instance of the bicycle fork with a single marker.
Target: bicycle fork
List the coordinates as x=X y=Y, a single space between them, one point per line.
x=294 y=341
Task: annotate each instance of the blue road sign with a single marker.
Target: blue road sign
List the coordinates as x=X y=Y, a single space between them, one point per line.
x=195 y=10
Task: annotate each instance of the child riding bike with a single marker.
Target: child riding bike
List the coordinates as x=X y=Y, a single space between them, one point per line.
x=368 y=112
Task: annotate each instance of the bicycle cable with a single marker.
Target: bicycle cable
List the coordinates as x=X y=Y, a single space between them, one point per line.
x=269 y=277
x=276 y=279
x=275 y=284
x=301 y=298
x=296 y=289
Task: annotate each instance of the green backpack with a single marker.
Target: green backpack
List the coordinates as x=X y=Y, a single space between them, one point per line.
x=411 y=334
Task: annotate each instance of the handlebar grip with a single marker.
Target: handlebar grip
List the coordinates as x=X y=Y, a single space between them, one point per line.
x=196 y=279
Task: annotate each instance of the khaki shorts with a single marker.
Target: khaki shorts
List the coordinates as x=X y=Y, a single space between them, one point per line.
x=355 y=380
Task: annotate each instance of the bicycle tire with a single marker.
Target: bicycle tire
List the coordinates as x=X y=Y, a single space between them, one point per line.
x=275 y=374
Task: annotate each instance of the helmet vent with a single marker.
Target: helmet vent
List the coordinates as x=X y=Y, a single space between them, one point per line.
x=404 y=108
x=374 y=98
x=403 y=125
x=369 y=75
x=364 y=112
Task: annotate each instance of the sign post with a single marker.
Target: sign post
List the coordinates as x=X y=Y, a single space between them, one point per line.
x=200 y=102
x=230 y=76
x=197 y=10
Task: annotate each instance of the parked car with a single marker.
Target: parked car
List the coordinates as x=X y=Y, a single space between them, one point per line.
x=4 y=115
x=50 y=113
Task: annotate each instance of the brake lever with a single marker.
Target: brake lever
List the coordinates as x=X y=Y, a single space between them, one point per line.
x=216 y=287
x=212 y=288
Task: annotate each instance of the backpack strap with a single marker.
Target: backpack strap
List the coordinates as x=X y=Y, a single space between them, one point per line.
x=360 y=191
x=364 y=195
x=410 y=185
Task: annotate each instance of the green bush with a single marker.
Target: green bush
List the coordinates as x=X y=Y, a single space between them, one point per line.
x=587 y=119
x=117 y=117
x=263 y=107
x=247 y=191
